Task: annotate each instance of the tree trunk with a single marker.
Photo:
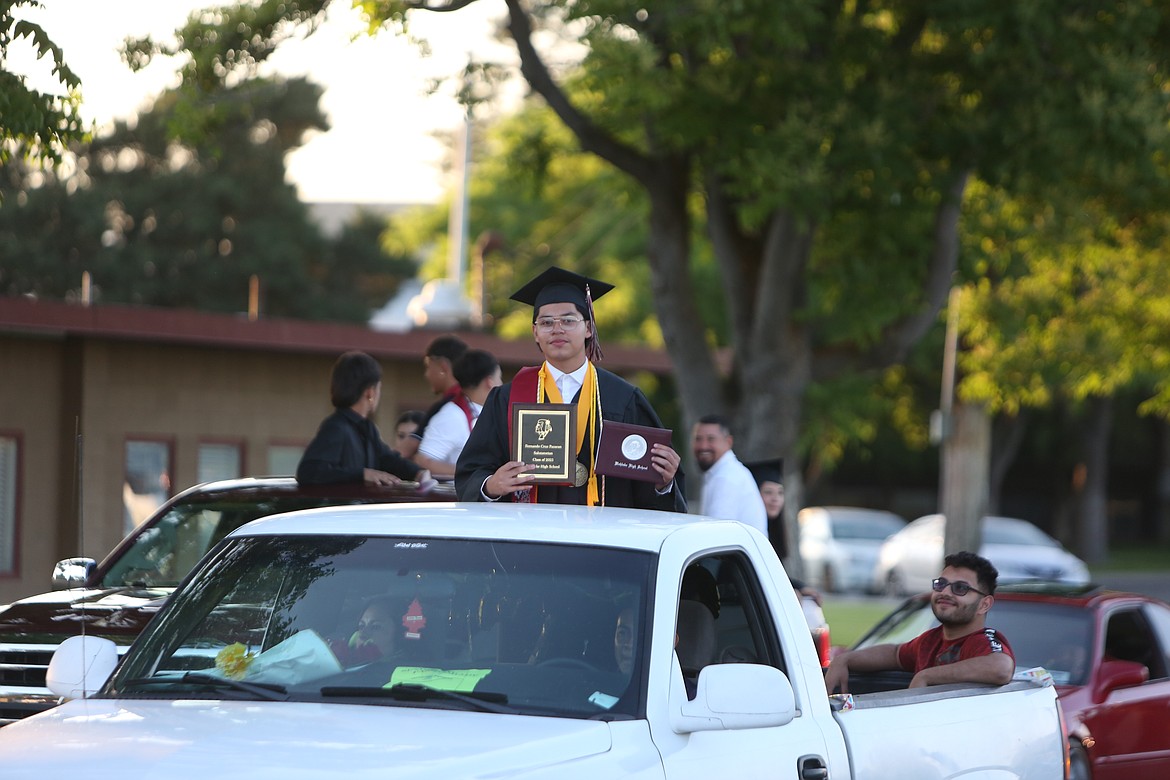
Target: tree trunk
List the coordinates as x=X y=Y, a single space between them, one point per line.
x=966 y=464
x=674 y=295
x=793 y=501
x=1091 y=481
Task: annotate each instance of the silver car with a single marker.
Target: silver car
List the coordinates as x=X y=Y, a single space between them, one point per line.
x=911 y=558
x=839 y=544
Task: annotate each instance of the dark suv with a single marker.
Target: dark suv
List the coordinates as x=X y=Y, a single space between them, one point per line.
x=117 y=597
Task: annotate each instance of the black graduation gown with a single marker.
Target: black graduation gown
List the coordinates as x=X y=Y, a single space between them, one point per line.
x=487 y=449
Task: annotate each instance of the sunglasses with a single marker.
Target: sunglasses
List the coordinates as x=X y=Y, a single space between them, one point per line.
x=959 y=588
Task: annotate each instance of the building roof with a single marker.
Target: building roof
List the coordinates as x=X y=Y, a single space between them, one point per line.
x=56 y=319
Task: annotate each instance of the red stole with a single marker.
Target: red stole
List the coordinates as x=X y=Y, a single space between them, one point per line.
x=455 y=395
x=523 y=392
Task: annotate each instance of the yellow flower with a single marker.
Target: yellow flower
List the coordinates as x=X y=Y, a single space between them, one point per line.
x=233 y=661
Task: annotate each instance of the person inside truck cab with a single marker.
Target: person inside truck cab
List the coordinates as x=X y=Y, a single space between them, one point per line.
x=962 y=649
x=374 y=636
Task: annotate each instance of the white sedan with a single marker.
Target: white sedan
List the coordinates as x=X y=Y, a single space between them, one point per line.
x=839 y=544
x=911 y=558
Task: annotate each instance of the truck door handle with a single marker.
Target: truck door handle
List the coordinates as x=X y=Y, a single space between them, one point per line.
x=812 y=768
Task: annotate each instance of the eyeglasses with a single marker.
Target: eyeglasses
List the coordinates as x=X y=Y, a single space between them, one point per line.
x=548 y=324
x=959 y=588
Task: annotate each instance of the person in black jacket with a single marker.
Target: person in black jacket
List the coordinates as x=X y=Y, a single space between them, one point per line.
x=348 y=446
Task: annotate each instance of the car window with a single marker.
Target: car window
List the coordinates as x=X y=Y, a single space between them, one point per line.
x=532 y=626
x=875 y=527
x=743 y=628
x=998 y=532
x=1054 y=636
x=1129 y=637
x=1057 y=637
x=1159 y=619
x=909 y=620
x=165 y=551
x=162 y=554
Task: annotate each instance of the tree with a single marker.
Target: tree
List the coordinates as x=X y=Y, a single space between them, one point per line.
x=832 y=145
x=157 y=221
x=1072 y=309
x=35 y=124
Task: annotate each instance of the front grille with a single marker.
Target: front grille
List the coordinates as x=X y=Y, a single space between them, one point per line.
x=24 y=668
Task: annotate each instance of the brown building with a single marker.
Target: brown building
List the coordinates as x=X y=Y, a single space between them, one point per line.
x=104 y=410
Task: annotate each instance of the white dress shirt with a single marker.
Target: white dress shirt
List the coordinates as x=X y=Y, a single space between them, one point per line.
x=730 y=493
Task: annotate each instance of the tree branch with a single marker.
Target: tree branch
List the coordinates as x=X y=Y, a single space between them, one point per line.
x=592 y=138
x=898 y=338
x=944 y=259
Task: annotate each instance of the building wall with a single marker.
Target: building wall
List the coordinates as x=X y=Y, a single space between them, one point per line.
x=110 y=391
x=30 y=410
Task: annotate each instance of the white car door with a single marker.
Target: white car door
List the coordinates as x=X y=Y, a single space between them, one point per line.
x=746 y=631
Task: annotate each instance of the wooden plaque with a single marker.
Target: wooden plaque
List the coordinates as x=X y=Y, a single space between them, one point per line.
x=544 y=436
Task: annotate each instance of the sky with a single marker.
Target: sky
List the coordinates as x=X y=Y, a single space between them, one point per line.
x=379 y=148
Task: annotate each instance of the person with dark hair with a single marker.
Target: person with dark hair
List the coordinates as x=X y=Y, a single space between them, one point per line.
x=439 y=371
x=729 y=491
x=477 y=371
x=409 y=422
x=348 y=447
x=962 y=649
x=565 y=331
x=769 y=481
x=375 y=637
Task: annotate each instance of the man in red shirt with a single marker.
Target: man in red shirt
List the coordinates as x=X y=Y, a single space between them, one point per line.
x=961 y=649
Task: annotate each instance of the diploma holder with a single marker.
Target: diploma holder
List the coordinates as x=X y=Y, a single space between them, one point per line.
x=624 y=450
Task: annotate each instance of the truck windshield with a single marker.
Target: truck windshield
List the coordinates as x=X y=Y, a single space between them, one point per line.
x=398 y=621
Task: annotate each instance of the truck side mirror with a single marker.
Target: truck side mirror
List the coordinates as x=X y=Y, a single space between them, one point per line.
x=1114 y=674
x=72 y=573
x=736 y=696
x=81 y=666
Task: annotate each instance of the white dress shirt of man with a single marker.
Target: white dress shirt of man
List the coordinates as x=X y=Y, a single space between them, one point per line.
x=729 y=489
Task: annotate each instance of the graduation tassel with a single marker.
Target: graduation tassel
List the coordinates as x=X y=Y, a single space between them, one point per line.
x=593 y=348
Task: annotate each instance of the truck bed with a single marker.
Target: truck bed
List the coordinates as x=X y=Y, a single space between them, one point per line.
x=1001 y=731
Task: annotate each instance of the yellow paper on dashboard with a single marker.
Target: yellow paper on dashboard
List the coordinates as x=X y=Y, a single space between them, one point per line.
x=458 y=680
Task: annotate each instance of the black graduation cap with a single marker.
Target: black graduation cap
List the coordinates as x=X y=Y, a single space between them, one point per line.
x=767 y=471
x=556 y=285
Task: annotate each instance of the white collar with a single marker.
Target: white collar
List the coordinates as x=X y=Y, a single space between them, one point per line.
x=578 y=375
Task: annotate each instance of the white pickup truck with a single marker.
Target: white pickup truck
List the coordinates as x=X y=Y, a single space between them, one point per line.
x=479 y=640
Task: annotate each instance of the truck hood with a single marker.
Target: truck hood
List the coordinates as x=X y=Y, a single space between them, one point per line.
x=288 y=740
x=112 y=612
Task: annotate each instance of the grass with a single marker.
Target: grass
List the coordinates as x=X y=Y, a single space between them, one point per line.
x=849 y=618
x=1149 y=557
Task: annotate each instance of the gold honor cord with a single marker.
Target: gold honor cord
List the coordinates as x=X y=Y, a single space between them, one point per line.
x=588 y=408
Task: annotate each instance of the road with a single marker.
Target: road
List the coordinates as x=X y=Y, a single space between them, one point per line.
x=1151 y=583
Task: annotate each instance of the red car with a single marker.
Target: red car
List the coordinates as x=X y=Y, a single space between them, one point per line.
x=1107 y=652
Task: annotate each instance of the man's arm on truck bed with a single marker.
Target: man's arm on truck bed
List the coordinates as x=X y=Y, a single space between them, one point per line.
x=876 y=658
x=996 y=669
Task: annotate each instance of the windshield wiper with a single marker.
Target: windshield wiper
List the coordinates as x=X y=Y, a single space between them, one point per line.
x=483 y=701
x=266 y=691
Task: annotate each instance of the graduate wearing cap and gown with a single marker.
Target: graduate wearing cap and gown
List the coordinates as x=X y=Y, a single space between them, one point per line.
x=770 y=483
x=565 y=331
x=770 y=480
